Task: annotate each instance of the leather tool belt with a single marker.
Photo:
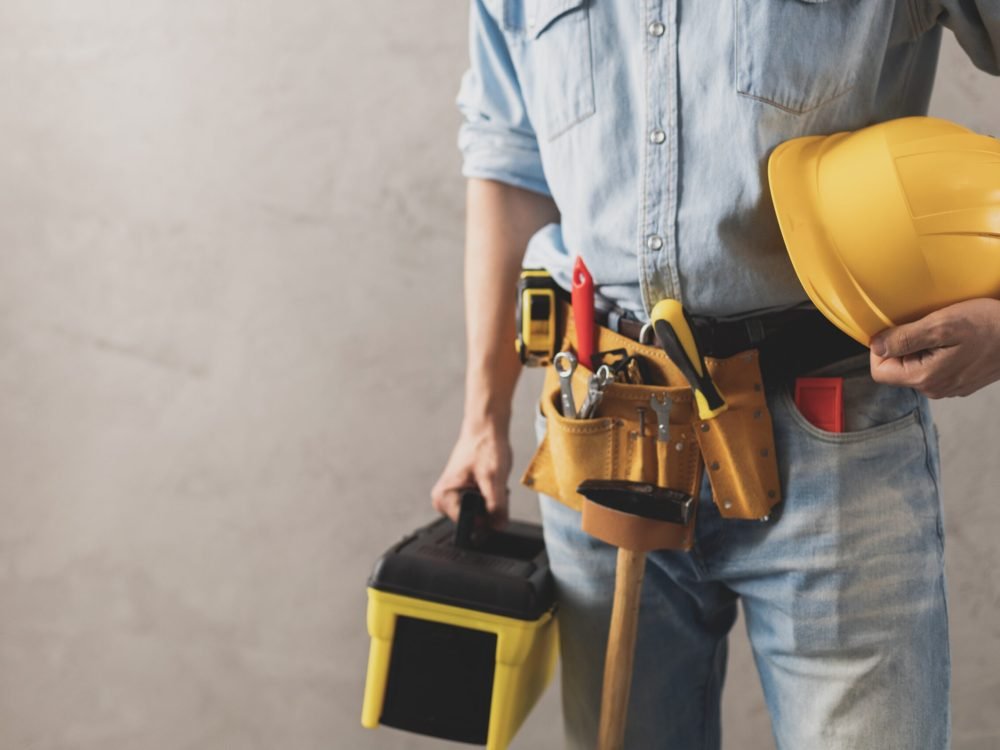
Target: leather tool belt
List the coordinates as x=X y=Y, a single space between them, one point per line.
x=736 y=448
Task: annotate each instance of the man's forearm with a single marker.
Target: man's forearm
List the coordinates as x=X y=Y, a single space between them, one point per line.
x=500 y=221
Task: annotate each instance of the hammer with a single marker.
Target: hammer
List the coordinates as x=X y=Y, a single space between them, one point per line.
x=636 y=517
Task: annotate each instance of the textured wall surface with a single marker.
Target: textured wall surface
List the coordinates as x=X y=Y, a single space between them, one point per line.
x=230 y=369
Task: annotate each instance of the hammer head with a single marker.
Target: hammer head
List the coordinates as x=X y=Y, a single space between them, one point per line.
x=637 y=515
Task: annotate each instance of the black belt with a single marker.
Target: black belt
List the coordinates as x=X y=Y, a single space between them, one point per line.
x=790 y=342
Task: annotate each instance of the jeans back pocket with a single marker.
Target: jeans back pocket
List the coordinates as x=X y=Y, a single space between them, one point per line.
x=800 y=54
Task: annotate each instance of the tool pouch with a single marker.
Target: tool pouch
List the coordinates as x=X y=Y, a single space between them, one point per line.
x=611 y=447
x=738 y=445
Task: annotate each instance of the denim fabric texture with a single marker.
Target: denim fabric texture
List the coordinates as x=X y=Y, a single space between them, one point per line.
x=842 y=591
x=650 y=123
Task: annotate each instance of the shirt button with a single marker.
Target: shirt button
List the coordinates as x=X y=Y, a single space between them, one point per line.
x=657 y=136
x=656 y=28
x=654 y=242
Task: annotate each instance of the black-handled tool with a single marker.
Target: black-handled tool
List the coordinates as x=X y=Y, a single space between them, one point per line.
x=673 y=328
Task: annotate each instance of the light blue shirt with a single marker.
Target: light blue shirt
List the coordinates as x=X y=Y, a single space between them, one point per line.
x=649 y=122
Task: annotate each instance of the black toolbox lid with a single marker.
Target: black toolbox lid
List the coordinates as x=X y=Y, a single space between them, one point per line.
x=505 y=573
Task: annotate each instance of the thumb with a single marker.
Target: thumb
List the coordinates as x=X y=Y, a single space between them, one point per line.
x=909 y=338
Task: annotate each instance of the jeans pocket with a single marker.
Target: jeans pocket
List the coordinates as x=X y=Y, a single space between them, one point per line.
x=870 y=409
x=551 y=38
x=800 y=54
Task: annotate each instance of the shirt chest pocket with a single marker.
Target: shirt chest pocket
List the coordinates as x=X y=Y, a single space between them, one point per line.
x=551 y=45
x=800 y=54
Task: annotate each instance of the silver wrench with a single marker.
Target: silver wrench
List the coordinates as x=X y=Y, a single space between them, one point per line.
x=662 y=409
x=565 y=364
x=599 y=381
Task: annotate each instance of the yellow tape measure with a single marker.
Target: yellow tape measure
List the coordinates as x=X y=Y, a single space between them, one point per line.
x=536 y=317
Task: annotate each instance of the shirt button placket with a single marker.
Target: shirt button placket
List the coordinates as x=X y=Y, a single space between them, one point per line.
x=655 y=268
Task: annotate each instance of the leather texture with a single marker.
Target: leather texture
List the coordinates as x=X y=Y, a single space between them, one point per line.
x=634 y=532
x=739 y=443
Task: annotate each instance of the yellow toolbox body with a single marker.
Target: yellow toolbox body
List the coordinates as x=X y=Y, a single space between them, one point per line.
x=463 y=636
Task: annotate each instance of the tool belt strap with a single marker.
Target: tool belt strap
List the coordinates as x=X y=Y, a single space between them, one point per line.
x=791 y=342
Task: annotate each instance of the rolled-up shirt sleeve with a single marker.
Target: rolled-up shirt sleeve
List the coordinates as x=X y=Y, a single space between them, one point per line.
x=496 y=139
x=976 y=25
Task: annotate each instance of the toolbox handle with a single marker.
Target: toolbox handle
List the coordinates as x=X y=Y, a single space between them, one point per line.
x=471 y=529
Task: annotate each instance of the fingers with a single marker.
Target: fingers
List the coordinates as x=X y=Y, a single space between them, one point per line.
x=481 y=460
x=934 y=373
x=920 y=355
x=895 y=371
x=493 y=485
x=446 y=493
x=447 y=500
x=929 y=332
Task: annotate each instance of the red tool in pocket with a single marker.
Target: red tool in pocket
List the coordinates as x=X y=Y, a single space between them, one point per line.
x=583 y=312
x=821 y=402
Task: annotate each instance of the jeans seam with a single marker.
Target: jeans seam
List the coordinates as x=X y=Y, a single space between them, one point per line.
x=928 y=465
x=706 y=692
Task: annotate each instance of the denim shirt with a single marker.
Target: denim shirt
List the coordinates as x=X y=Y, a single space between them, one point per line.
x=649 y=122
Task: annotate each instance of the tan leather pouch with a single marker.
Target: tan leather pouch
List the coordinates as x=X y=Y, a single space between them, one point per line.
x=611 y=447
x=736 y=448
x=738 y=445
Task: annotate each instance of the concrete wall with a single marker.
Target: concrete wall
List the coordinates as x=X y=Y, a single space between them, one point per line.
x=230 y=350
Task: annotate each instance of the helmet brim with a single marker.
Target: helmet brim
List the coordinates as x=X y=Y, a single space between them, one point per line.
x=793 y=177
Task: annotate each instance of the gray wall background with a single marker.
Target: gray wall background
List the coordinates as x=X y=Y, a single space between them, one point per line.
x=230 y=369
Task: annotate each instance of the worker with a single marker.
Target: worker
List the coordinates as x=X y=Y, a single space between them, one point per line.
x=636 y=136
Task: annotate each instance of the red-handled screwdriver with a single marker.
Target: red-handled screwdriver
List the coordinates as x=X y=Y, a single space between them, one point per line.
x=583 y=312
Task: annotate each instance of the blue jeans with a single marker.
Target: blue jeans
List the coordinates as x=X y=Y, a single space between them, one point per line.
x=843 y=595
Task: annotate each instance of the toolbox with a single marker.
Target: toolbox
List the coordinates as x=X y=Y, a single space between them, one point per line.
x=463 y=631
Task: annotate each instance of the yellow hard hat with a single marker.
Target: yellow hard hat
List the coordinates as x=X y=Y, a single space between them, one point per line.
x=889 y=223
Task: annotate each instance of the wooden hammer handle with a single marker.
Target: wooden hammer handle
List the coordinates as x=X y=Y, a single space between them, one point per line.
x=621 y=649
